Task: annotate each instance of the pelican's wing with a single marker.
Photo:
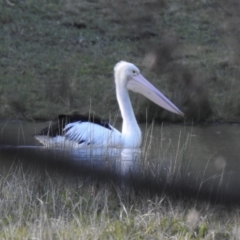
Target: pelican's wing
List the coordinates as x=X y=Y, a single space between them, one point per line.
x=79 y=130
x=87 y=133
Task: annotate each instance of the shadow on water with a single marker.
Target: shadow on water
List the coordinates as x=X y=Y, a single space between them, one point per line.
x=201 y=163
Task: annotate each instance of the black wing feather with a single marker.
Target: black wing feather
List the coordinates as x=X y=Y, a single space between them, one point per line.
x=56 y=128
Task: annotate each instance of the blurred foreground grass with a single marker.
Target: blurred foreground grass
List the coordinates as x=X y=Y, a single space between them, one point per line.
x=57 y=56
x=39 y=205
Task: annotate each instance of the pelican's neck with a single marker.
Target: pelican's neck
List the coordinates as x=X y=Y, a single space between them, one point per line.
x=130 y=130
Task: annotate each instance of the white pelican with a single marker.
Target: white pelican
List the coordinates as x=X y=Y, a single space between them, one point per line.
x=78 y=131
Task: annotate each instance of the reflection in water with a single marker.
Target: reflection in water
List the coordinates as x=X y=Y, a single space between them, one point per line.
x=108 y=163
x=202 y=161
x=123 y=161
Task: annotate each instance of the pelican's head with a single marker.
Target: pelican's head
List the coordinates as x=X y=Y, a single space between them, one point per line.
x=124 y=71
x=128 y=76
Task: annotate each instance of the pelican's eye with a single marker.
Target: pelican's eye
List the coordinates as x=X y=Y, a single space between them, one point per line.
x=134 y=72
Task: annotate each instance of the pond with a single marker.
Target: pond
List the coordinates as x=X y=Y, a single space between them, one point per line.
x=201 y=161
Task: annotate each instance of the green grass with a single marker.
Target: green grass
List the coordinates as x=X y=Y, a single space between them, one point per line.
x=38 y=205
x=58 y=56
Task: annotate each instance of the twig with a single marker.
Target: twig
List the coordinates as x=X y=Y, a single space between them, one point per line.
x=9 y=3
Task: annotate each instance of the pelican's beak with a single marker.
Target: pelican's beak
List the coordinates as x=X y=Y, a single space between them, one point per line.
x=141 y=85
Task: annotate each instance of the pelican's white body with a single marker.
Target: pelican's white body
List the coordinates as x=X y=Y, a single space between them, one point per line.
x=78 y=134
x=92 y=133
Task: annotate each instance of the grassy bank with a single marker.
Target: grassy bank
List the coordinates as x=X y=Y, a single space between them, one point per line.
x=39 y=205
x=57 y=56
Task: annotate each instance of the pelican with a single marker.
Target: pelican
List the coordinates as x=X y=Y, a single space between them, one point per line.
x=77 y=131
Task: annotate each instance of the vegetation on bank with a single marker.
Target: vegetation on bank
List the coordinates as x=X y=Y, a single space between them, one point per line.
x=44 y=205
x=57 y=56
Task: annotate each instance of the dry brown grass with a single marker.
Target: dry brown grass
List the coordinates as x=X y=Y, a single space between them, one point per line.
x=46 y=205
